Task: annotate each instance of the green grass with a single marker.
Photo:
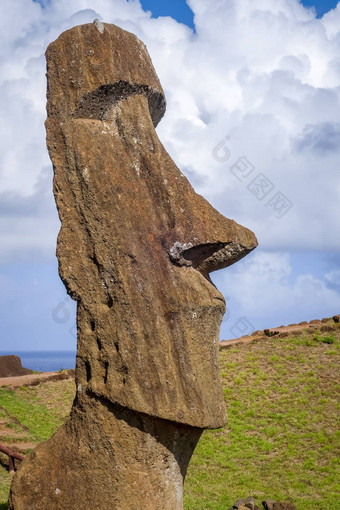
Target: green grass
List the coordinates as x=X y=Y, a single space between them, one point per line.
x=5 y=480
x=30 y=413
x=281 y=442
x=34 y=412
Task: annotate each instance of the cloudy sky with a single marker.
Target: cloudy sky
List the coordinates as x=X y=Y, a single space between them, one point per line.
x=253 y=109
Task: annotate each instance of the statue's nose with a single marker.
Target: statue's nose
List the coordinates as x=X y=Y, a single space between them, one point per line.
x=209 y=257
x=205 y=239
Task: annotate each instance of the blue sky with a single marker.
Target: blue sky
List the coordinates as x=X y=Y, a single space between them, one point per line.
x=274 y=106
x=179 y=9
x=321 y=7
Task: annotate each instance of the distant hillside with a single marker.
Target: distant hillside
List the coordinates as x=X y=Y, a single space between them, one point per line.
x=282 y=441
x=322 y=325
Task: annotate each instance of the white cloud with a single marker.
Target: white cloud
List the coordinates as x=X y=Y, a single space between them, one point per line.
x=333 y=277
x=331 y=22
x=266 y=74
x=264 y=288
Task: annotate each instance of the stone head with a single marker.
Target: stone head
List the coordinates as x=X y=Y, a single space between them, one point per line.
x=136 y=244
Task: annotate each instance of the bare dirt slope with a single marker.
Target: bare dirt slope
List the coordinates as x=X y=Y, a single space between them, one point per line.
x=32 y=379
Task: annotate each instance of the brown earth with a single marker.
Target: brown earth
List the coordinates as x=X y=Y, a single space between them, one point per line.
x=34 y=379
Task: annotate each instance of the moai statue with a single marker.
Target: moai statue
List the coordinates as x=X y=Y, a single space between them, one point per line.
x=135 y=250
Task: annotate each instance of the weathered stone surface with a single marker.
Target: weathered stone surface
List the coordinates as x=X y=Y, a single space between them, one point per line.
x=135 y=250
x=10 y=366
x=284 y=505
x=245 y=503
x=268 y=504
x=136 y=242
x=107 y=457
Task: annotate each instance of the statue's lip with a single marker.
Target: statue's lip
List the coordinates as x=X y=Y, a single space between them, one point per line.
x=220 y=299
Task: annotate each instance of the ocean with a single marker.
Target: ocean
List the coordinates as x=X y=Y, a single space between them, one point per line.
x=45 y=361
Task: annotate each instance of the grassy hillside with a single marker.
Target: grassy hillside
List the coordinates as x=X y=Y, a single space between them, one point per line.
x=29 y=415
x=282 y=440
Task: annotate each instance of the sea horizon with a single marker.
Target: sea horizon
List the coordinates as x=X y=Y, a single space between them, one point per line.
x=44 y=360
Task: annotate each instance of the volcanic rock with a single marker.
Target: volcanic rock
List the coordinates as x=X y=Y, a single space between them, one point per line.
x=270 y=504
x=10 y=366
x=135 y=250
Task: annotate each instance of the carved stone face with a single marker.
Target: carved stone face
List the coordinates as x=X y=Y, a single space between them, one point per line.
x=136 y=243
